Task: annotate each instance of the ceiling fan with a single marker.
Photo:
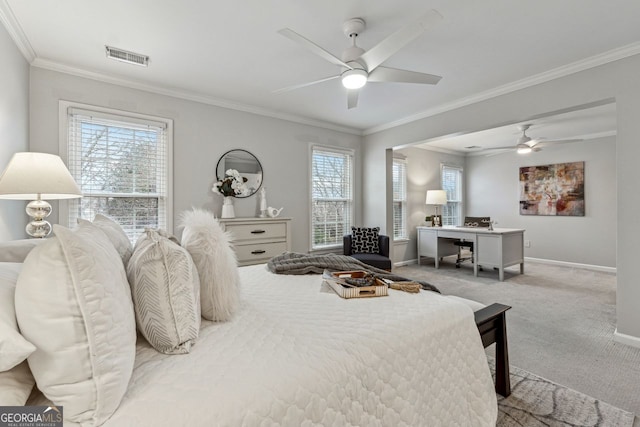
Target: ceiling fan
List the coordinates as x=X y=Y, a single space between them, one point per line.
x=525 y=144
x=359 y=66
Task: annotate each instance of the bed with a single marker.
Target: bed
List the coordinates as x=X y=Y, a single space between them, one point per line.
x=293 y=354
x=297 y=354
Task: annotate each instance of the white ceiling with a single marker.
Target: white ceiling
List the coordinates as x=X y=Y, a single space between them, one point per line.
x=228 y=52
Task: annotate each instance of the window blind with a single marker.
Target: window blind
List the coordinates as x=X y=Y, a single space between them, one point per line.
x=399 y=177
x=121 y=165
x=331 y=196
x=452 y=184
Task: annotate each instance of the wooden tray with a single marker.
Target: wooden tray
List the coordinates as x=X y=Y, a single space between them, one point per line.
x=336 y=281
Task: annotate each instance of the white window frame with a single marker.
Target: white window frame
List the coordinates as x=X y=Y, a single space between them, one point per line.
x=404 y=233
x=341 y=151
x=135 y=118
x=452 y=202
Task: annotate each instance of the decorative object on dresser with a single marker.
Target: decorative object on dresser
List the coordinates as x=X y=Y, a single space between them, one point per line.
x=256 y=240
x=436 y=198
x=38 y=176
x=263 y=202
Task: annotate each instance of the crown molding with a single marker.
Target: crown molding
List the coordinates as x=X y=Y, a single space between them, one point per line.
x=565 y=70
x=15 y=31
x=190 y=96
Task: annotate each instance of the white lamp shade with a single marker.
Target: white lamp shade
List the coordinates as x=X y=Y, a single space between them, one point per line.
x=436 y=197
x=30 y=175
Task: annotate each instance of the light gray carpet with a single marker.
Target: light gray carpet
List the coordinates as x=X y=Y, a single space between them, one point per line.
x=560 y=327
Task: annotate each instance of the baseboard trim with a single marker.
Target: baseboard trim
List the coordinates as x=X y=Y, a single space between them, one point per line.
x=403 y=263
x=626 y=339
x=572 y=264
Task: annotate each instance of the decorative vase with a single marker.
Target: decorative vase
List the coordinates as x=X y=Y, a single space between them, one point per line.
x=227 y=208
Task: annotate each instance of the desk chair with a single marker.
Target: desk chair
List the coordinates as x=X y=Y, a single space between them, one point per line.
x=470 y=221
x=379 y=259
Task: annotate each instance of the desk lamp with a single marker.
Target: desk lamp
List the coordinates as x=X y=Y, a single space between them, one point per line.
x=437 y=198
x=38 y=176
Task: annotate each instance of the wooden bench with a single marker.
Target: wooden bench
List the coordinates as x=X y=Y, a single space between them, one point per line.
x=492 y=325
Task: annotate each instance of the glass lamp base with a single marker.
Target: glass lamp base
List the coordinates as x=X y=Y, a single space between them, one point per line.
x=38 y=210
x=38 y=228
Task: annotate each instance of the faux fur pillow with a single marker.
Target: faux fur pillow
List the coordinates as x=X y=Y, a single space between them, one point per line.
x=216 y=262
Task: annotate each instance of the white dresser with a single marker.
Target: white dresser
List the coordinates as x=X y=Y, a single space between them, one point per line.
x=256 y=240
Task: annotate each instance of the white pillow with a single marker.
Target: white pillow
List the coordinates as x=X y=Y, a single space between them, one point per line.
x=116 y=234
x=17 y=250
x=16 y=380
x=16 y=385
x=166 y=293
x=216 y=262
x=74 y=303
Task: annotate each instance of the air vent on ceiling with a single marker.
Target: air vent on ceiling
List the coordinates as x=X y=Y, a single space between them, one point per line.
x=126 y=56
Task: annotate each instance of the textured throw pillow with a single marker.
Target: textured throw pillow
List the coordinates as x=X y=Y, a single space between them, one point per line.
x=116 y=235
x=73 y=303
x=364 y=240
x=16 y=380
x=216 y=262
x=166 y=293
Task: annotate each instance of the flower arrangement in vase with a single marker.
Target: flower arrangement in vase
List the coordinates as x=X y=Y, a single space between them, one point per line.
x=231 y=186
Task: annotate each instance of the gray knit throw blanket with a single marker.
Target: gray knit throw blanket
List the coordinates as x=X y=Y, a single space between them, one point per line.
x=295 y=263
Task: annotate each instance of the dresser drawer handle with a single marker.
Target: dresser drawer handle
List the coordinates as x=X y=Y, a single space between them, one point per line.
x=258 y=252
x=258 y=231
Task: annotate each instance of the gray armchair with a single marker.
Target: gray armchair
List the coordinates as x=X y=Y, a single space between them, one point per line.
x=379 y=260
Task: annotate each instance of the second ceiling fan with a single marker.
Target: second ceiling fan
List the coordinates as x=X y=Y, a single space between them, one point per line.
x=360 y=66
x=525 y=144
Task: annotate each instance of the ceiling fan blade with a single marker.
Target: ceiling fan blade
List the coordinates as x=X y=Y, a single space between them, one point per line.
x=386 y=74
x=352 y=98
x=301 y=85
x=396 y=41
x=292 y=35
x=542 y=143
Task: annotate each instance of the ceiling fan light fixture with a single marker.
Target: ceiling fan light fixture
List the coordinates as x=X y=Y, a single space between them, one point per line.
x=523 y=149
x=354 y=79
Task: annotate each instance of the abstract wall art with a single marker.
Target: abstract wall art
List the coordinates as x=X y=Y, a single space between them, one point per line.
x=556 y=190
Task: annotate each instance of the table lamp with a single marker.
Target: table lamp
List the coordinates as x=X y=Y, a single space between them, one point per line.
x=37 y=177
x=437 y=198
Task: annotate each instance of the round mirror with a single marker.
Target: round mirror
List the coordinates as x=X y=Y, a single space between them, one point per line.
x=246 y=164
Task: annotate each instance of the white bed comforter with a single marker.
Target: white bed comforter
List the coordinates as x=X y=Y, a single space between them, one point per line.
x=295 y=356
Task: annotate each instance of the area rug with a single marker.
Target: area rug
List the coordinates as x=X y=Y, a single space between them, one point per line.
x=535 y=401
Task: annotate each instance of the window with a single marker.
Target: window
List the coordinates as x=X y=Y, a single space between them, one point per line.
x=452 y=183
x=122 y=164
x=331 y=196
x=399 y=177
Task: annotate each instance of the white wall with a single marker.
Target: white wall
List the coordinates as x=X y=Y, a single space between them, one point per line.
x=423 y=173
x=616 y=80
x=14 y=128
x=492 y=190
x=202 y=133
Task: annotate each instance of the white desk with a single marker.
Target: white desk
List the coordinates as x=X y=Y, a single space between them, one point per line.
x=499 y=248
